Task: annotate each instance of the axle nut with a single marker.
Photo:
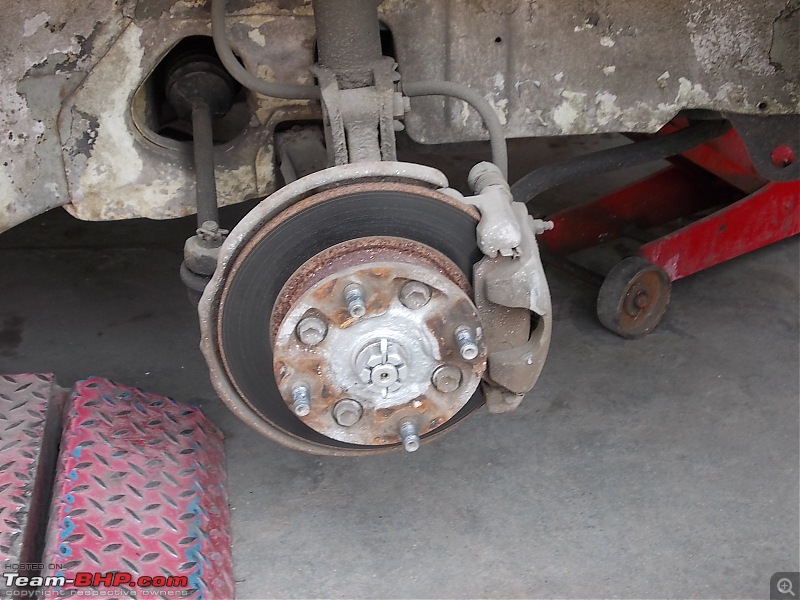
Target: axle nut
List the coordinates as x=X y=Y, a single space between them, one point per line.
x=311 y=330
x=446 y=378
x=347 y=412
x=415 y=295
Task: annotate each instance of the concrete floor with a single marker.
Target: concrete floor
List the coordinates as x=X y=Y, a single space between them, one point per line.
x=664 y=467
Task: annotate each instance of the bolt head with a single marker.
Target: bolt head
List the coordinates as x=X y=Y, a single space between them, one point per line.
x=347 y=412
x=311 y=330
x=446 y=378
x=414 y=295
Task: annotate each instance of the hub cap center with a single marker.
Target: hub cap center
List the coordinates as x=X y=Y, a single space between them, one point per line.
x=382 y=364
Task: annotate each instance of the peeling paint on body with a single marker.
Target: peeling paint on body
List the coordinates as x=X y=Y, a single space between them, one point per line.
x=33 y=24
x=68 y=70
x=722 y=32
x=632 y=50
x=569 y=114
x=607 y=110
x=113 y=160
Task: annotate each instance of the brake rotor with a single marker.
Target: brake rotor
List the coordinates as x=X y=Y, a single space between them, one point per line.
x=394 y=232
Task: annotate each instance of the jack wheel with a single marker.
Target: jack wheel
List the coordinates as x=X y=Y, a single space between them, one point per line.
x=633 y=298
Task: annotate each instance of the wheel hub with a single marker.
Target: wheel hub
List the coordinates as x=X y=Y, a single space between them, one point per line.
x=378 y=368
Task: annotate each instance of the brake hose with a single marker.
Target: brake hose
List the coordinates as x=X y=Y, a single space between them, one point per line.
x=613 y=159
x=497 y=137
x=242 y=75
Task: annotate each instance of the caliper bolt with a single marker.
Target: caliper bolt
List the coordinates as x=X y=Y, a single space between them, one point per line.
x=466 y=343
x=302 y=400
x=408 y=433
x=446 y=378
x=354 y=296
x=414 y=295
x=311 y=330
x=347 y=412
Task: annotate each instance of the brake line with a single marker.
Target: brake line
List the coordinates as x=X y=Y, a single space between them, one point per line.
x=413 y=89
x=242 y=75
x=497 y=137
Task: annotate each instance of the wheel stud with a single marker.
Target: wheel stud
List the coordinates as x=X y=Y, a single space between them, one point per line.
x=466 y=343
x=446 y=378
x=347 y=412
x=415 y=295
x=302 y=400
x=408 y=433
x=311 y=330
x=354 y=296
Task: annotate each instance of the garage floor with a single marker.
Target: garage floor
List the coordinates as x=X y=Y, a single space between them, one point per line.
x=664 y=467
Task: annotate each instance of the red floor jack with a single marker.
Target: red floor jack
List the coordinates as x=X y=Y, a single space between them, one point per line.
x=736 y=211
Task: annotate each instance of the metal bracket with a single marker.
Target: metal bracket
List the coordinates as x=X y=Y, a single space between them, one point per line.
x=360 y=122
x=510 y=288
x=762 y=136
x=498 y=230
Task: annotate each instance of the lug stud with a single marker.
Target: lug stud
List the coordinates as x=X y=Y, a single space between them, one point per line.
x=354 y=296
x=467 y=346
x=302 y=400
x=408 y=433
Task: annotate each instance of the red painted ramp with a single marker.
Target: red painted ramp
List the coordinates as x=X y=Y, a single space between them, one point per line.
x=138 y=504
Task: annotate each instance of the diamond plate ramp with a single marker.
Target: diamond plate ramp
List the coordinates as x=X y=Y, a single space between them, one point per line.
x=140 y=489
x=28 y=445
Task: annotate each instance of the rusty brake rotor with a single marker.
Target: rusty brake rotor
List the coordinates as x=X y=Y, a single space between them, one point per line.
x=415 y=233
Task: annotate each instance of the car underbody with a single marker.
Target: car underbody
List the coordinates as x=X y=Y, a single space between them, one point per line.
x=365 y=305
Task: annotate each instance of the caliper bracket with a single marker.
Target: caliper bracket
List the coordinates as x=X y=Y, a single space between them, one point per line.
x=511 y=291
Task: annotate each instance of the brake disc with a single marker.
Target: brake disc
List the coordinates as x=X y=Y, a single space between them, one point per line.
x=437 y=240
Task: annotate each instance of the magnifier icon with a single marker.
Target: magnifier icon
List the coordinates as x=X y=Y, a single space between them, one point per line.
x=784 y=586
